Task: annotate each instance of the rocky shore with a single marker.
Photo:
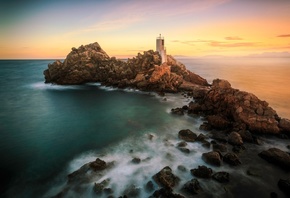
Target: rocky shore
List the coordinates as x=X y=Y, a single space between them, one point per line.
x=233 y=122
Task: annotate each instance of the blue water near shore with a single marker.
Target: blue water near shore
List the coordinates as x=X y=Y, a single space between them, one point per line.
x=47 y=131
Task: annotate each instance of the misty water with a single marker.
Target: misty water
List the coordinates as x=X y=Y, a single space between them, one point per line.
x=48 y=131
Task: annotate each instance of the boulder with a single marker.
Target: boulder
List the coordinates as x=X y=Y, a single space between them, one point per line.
x=284 y=125
x=222 y=177
x=187 y=135
x=192 y=187
x=213 y=158
x=99 y=187
x=166 y=178
x=136 y=160
x=202 y=172
x=182 y=144
x=246 y=136
x=132 y=191
x=231 y=159
x=201 y=138
x=220 y=83
x=235 y=139
x=277 y=157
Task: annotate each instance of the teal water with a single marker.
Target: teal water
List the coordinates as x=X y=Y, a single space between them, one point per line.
x=48 y=131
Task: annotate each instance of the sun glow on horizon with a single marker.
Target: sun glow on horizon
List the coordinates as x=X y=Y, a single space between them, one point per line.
x=124 y=28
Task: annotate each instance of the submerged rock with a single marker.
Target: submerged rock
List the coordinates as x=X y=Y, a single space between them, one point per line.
x=222 y=177
x=192 y=187
x=166 y=193
x=277 y=157
x=232 y=159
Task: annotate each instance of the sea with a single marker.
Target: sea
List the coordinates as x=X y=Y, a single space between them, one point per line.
x=48 y=131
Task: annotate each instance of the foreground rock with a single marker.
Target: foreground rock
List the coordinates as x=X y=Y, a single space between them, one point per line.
x=232 y=109
x=277 y=157
x=284 y=185
x=166 y=178
x=90 y=63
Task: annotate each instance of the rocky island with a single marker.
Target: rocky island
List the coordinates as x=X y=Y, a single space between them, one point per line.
x=232 y=119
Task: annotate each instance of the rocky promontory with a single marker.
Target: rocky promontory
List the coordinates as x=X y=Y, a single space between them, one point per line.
x=90 y=63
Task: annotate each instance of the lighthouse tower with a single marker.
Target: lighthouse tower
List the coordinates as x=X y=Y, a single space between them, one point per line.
x=161 y=49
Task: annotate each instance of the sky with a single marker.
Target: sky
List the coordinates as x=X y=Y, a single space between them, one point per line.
x=50 y=28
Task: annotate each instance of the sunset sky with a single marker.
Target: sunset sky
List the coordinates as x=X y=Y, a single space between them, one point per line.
x=49 y=29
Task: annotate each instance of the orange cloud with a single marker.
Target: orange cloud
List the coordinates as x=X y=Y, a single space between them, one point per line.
x=225 y=44
x=231 y=38
x=284 y=35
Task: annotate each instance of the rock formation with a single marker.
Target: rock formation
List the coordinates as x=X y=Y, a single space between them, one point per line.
x=90 y=63
x=230 y=109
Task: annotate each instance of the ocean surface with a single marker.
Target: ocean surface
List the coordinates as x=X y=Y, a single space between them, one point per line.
x=48 y=131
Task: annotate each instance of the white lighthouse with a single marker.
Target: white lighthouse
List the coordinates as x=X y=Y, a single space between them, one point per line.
x=161 y=49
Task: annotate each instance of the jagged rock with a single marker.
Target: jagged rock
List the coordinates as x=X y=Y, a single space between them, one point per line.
x=98 y=165
x=235 y=139
x=222 y=177
x=99 y=187
x=277 y=157
x=242 y=109
x=213 y=158
x=232 y=159
x=166 y=178
x=284 y=185
x=192 y=187
x=187 y=135
x=202 y=172
x=166 y=193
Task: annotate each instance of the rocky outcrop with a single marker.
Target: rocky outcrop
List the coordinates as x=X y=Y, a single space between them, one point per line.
x=90 y=63
x=229 y=108
x=277 y=157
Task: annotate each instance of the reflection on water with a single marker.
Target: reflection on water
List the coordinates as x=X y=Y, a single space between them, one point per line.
x=267 y=78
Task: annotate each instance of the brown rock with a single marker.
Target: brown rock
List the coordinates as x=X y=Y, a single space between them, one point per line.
x=213 y=158
x=222 y=177
x=231 y=159
x=202 y=172
x=277 y=157
x=235 y=139
x=284 y=125
x=192 y=187
x=218 y=122
x=187 y=135
x=166 y=178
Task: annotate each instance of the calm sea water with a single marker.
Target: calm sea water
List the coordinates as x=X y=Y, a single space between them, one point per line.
x=48 y=131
